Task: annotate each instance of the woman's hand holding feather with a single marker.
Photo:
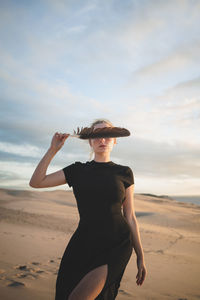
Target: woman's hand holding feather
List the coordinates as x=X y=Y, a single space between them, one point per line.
x=58 y=141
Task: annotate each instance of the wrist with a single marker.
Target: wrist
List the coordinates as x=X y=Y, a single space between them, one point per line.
x=52 y=151
x=140 y=257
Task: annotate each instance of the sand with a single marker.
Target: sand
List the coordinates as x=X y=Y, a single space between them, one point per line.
x=35 y=227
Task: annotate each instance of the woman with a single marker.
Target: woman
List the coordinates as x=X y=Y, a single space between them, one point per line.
x=98 y=252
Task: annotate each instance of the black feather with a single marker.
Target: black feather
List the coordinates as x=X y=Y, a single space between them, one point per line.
x=89 y=133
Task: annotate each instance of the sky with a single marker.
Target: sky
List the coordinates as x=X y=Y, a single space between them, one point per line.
x=66 y=63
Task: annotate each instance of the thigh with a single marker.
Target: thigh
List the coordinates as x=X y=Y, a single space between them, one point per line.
x=90 y=285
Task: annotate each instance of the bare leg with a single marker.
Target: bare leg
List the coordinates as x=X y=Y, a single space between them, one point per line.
x=91 y=285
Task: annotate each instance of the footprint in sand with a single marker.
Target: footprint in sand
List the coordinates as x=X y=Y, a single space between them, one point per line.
x=29 y=272
x=27 y=275
x=32 y=269
x=22 y=268
x=35 y=263
x=21 y=275
x=16 y=284
x=39 y=271
x=124 y=293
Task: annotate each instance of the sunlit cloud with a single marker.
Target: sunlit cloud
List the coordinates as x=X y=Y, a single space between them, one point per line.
x=22 y=150
x=66 y=63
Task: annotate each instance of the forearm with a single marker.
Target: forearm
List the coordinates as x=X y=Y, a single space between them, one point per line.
x=137 y=245
x=41 y=169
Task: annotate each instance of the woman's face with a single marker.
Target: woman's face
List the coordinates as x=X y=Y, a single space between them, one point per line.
x=102 y=145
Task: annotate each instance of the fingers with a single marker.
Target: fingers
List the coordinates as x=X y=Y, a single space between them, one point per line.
x=62 y=136
x=141 y=276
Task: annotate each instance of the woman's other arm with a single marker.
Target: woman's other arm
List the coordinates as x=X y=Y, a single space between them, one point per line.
x=129 y=214
x=39 y=178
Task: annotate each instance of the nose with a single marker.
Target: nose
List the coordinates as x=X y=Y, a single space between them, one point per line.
x=102 y=139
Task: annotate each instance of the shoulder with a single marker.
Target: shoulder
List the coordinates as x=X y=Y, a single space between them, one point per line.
x=123 y=168
x=76 y=164
x=126 y=174
x=71 y=171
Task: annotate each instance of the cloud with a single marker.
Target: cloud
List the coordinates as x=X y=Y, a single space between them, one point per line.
x=160 y=159
x=32 y=109
x=21 y=150
x=66 y=63
x=184 y=89
x=171 y=70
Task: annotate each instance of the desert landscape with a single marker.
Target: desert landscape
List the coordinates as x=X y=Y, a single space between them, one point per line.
x=37 y=225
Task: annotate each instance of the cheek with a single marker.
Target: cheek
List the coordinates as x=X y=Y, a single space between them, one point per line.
x=93 y=143
x=111 y=142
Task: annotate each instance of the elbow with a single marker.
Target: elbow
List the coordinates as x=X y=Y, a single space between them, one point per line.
x=33 y=185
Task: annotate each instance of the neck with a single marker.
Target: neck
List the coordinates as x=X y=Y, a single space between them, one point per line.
x=102 y=158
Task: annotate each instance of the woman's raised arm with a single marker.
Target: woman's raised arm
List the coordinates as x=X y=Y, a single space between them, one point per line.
x=39 y=178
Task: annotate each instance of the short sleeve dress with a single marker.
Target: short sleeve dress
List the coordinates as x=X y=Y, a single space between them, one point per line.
x=103 y=235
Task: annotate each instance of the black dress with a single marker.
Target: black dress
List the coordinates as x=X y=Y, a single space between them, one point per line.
x=103 y=235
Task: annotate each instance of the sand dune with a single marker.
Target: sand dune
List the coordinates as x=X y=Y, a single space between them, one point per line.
x=36 y=227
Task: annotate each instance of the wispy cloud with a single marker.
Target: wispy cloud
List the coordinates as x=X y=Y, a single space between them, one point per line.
x=66 y=63
x=168 y=71
x=21 y=150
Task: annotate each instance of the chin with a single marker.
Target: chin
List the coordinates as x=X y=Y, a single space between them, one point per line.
x=103 y=151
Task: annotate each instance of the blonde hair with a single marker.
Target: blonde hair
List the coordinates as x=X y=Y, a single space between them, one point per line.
x=98 y=121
